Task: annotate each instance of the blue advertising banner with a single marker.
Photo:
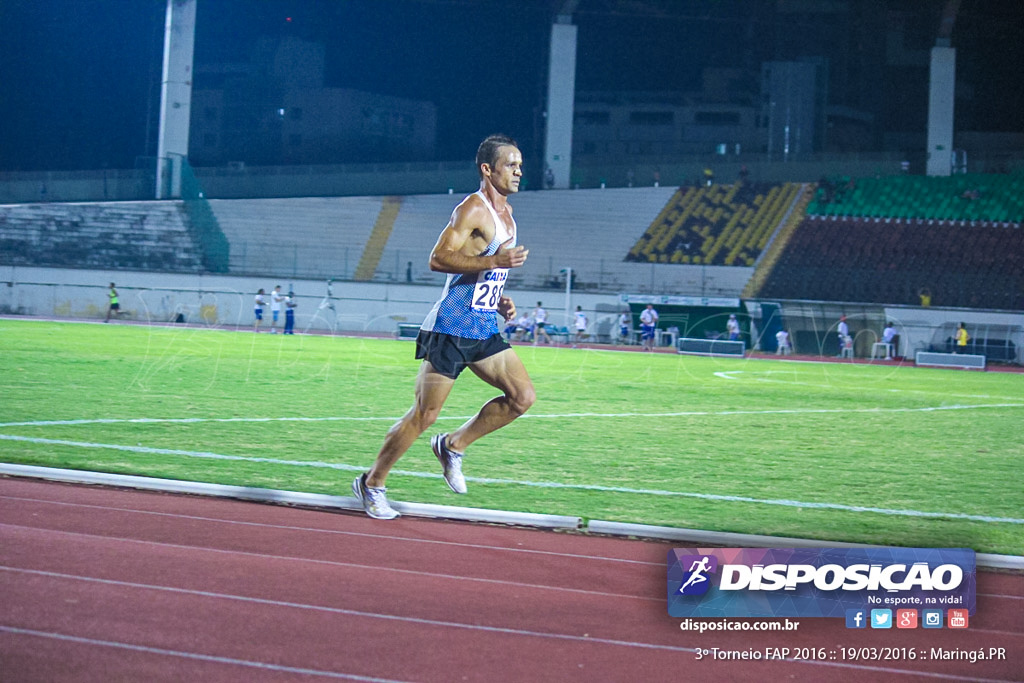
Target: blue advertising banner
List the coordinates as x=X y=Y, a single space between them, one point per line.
x=818 y=582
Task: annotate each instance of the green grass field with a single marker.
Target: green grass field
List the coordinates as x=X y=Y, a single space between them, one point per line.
x=834 y=451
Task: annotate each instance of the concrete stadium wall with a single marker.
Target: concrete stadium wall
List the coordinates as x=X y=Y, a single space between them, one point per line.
x=220 y=301
x=227 y=301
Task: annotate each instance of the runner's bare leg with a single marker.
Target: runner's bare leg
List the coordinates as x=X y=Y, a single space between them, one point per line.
x=432 y=389
x=506 y=372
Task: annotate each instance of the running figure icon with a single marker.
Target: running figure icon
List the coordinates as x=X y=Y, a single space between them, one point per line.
x=697 y=571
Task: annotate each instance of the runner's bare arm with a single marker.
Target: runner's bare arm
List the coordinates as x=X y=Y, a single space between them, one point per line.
x=458 y=248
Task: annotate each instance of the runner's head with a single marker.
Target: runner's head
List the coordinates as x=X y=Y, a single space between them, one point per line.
x=499 y=161
x=487 y=152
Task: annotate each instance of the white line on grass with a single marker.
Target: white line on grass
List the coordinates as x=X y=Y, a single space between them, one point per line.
x=761 y=376
x=516 y=482
x=534 y=416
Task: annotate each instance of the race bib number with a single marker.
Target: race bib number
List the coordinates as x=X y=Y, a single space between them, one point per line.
x=488 y=289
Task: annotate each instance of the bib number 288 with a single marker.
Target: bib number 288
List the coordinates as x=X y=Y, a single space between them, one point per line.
x=488 y=289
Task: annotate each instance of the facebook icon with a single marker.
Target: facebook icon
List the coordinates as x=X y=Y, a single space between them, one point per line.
x=856 y=618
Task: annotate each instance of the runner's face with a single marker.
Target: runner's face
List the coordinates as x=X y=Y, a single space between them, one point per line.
x=507 y=170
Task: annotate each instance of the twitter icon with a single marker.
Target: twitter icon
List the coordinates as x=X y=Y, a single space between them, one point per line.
x=881 y=618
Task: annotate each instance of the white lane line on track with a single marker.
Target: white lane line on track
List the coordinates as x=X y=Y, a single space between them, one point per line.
x=340 y=610
x=527 y=416
x=341 y=532
x=533 y=484
x=379 y=536
x=193 y=655
x=333 y=563
x=472 y=627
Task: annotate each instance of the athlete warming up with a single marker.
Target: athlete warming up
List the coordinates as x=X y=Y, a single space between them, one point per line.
x=476 y=249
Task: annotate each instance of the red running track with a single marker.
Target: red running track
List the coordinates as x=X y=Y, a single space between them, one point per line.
x=102 y=584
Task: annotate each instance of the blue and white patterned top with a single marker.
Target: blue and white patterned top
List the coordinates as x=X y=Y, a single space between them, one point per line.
x=467 y=307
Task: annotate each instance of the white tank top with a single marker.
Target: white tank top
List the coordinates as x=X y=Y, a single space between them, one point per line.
x=468 y=304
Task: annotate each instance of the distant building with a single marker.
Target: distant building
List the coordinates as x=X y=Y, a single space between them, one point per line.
x=794 y=99
x=785 y=113
x=275 y=110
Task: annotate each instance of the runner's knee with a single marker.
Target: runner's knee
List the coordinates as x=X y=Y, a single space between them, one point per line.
x=521 y=399
x=426 y=417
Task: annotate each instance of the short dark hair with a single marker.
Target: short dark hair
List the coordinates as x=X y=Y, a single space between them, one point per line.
x=487 y=152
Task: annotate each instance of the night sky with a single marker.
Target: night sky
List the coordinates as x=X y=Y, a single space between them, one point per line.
x=79 y=79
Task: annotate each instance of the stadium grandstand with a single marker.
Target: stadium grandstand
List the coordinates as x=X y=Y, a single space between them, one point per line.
x=113 y=235
x=726 y=225
x=877 y=240
x=887 y=240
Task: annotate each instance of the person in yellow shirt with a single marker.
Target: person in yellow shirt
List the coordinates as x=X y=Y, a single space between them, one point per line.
x=960 y=338
x=114 y=308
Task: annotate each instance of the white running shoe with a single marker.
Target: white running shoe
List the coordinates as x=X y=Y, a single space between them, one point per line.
x=374 y=500
x=451 y=461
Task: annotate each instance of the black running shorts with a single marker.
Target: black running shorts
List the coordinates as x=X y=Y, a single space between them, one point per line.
x=451 y=355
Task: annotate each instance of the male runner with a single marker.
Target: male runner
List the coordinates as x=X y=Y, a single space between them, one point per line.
x=476 y=250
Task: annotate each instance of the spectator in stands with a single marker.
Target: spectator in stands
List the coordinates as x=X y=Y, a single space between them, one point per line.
x=408 y=271
x=648 y=327
x=289 y=313
x=960 y=339
x=549 y=178
x=709 y=177
x=540 y=321
x=276 y=299
x=827 y=189
x=259 y=303
x=580 y=323
x=925 y=295
x=657 y=178
x=843 y=331
x=733 y=328
x=114 y=307
x=785 y=347
x=625 y=323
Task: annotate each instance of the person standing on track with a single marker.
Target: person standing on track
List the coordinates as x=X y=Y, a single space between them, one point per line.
x=476 y=249
x=580 y=323
x=276 y=299
x=648 y=327
x=258 y=303
x=540 y=321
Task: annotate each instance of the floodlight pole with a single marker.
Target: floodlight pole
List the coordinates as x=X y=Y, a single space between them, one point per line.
x=568 y=296
x=175 y=96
